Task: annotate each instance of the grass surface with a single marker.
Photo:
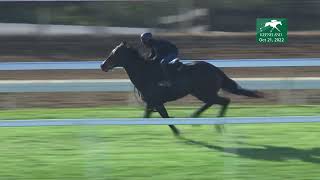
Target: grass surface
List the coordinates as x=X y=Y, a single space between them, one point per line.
x=264 y=151
x=135 y=112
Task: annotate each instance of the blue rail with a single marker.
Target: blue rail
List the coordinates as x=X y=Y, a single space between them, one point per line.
x=124 y=85
x=158 y=121
x=87 y=65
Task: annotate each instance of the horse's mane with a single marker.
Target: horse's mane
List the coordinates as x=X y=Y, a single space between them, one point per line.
x=136 y=53
x=140 y=57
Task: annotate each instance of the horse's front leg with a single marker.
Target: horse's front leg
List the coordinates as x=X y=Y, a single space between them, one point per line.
x=164 y=114
x=147 y=112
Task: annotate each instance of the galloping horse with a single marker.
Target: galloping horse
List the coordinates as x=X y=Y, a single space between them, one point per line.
x=273 y=24
x=199 y=79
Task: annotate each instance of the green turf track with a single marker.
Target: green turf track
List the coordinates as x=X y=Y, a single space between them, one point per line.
x=265 y=151
x=174 y=111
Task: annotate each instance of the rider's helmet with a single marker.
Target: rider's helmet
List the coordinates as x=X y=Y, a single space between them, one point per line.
x=146 y=37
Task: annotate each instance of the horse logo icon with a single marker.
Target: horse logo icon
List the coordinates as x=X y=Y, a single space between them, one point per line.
x=273 y=23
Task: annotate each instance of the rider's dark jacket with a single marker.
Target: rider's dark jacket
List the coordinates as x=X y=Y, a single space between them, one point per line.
x=161 y=49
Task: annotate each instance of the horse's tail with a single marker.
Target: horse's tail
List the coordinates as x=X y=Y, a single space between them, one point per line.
x=231 y=86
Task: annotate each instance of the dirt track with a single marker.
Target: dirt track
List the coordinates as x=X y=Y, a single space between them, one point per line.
x=207 y=46
x=201 y=46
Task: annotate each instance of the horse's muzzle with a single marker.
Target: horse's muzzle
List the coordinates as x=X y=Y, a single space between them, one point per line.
x=104 y=68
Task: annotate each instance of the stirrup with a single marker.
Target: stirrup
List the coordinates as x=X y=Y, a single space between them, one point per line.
x=174 y=61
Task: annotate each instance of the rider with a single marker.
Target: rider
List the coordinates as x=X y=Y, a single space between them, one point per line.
x=162 y=51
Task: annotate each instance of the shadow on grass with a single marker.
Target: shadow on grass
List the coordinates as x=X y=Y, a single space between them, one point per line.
x=264 y=152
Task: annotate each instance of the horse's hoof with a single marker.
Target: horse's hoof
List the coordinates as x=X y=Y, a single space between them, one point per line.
x=176 y=132
x=219 y=128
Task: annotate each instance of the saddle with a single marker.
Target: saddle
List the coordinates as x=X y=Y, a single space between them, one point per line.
x=174 y=66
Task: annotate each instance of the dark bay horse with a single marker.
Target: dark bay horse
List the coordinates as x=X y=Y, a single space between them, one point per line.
x=200 y=79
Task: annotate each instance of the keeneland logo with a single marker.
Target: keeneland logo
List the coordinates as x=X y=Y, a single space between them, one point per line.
x=271 y=30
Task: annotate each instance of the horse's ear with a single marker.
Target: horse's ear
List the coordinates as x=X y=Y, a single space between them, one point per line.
x=124 y=43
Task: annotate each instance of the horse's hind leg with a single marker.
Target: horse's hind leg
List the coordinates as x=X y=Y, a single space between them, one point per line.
x=209 y=101
x=224 y=102
x=164 y=114
x=201 y=110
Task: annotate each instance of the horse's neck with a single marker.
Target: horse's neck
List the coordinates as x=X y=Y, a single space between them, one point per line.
x=137 y=74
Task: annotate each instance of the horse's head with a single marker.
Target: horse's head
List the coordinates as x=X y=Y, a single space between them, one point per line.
x=117 y=58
